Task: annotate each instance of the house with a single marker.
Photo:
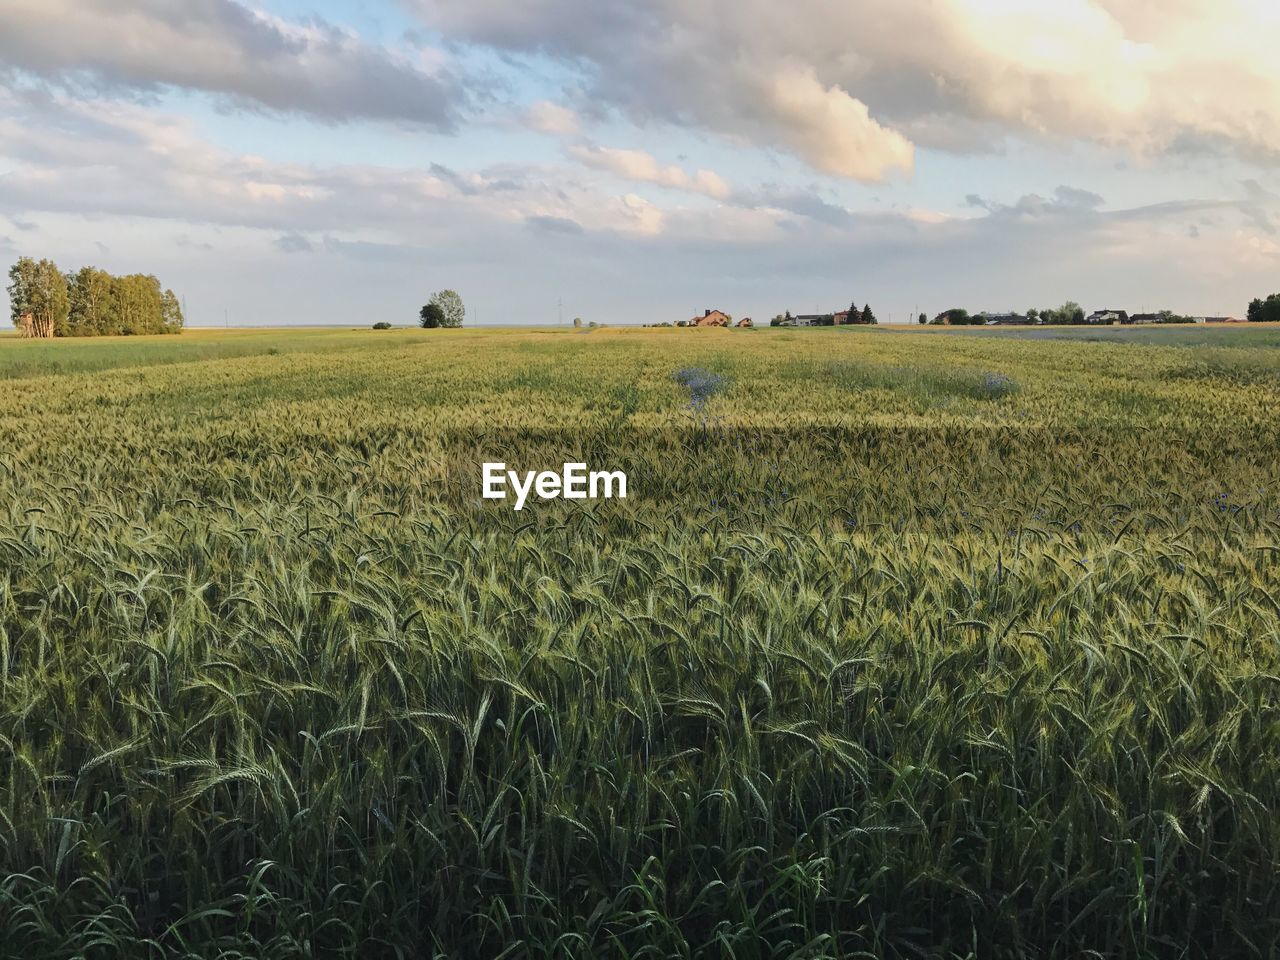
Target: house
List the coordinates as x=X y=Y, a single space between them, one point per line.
x=1005 y=319
x=711 y=318
x=1108 y=317
x=745 y=323
x=1147 y=318
x=812 y=320
x=1220 y=320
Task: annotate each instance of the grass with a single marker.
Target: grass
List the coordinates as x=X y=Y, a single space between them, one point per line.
x=901 y=646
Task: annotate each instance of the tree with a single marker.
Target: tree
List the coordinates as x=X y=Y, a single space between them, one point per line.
x=867 y=316
x=1072 y=312
x=956 y=317
x=854 y=313
x=139 y=304
x=452 y=311
x=38 y=297
x=93 y=306
x=171 y=318
x=431 y=316
x=922 y=319
x=1265 y=311
x=1033 y=314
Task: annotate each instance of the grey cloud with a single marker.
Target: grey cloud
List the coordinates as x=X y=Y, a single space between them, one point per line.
x=294 y=243
x=800 y=202
x=1066 y=201
x=555 y=225
x=223 y=48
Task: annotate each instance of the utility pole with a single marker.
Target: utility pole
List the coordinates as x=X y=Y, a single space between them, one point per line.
x=560 y=307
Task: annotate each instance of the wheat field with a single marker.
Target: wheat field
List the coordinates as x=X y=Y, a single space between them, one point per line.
x=902 y=645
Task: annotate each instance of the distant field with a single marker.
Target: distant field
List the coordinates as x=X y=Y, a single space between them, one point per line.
x=902 y=645
x=1242 y=335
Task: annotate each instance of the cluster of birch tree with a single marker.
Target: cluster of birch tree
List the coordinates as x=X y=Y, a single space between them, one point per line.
x=45 y=302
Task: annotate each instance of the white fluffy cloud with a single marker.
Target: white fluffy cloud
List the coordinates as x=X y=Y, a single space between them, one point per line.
x=643 y=167
x=849 y=87
x=226 y=49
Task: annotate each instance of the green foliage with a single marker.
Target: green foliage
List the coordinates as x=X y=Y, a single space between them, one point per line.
x=38 y=297
x=382 y=325
x=452 y=312
x=431 y=316
x=1265 y=311
x=91 y=302
x=956 y=317
x=1070 y=313
x=274 y=684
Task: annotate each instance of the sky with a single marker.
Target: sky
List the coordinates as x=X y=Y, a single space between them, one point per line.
x=640 y=161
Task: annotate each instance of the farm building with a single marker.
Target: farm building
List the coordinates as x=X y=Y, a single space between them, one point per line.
x=745 y=323
x=1108 y=317
x=1006 y=319
x=711 y=318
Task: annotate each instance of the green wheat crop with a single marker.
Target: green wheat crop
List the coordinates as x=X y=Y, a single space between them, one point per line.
x=901 y=646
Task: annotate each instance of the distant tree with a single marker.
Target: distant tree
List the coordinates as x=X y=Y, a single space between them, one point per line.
x=89 y=303
x=854 y=313
x=139 y=304
x=431 y=316
x=922 y=319
x=39 y=300
x=956 y=317
x=1265 y=311
x=171 y=318
x=93 y=306
x=1033 y=314
x=867 y=316
x=382 y=325
x=452 y=311
x=788 y=318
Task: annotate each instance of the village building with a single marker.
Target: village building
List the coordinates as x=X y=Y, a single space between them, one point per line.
x=711 y=318
x=1108 y=317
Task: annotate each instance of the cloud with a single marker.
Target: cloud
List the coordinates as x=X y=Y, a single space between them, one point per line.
x=220 y=47
x=104 y=158
x=644 y=168
x=559 y=225
x=1066 y=201
x=547 y=117
x=851 y=87
x=295 y=243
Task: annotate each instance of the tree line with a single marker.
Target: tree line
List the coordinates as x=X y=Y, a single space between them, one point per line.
x=45 y=302
x=1265 y=311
